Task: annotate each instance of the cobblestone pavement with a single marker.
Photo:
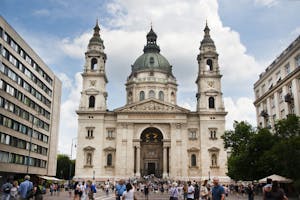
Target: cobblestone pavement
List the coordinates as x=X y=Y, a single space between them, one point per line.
x=100 y=195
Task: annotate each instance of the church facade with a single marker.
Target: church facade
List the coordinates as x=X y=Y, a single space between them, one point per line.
x=151 y=134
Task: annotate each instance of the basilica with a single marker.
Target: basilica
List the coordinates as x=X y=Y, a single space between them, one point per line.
x=150 y=134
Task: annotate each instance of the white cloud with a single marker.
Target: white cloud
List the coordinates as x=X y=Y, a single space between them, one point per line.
x=68 y=117
x=76 y=47
x=41 y=12
x=66 y=81
x=240 y=110
x=179 y=26
x=268 y=3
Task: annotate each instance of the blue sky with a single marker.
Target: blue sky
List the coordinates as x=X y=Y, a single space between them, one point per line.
x=249 y=34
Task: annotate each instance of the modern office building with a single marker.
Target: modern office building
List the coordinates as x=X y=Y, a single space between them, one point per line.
x=151 y=134
x=277 y=91
x=30 y=96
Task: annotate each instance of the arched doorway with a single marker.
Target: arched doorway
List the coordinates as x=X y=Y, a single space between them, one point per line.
x=151 y=152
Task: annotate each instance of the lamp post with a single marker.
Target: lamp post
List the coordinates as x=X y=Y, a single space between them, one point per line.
x=70 y=172
x=94 y=175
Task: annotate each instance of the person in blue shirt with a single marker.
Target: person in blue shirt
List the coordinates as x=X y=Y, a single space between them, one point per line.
x=218 y=192
x=120 y=188
x=25 y=186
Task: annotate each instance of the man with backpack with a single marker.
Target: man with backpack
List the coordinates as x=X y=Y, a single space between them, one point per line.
x=6 y=190
x=26 y=189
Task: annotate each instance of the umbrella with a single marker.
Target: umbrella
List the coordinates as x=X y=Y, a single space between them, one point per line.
x=275 y=177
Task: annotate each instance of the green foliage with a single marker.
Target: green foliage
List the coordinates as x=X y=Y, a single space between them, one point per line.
x=236 y=140
x=259 y=153
x=64 y=165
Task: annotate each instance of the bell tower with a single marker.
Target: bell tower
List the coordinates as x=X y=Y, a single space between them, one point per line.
x=209 y=96
x=94 y=95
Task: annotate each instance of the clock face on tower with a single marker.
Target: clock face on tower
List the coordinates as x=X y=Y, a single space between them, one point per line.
x=211 y=84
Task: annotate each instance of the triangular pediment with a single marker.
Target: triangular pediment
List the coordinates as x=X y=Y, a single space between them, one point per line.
x=88 y=148
x=152 y=106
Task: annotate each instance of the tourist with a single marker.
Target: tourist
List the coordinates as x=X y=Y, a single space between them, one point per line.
x=26 y=189
x=38 y=190
x=120 y=188
x=185 y=190
x=250 y=191
x=197 y=191
x=267 y=189
x=146 y=191
x=190 y=191
x=276 y=192
x=6 y=187
x=204 y=191
x=14 y=191
x=174 y=192
x=128 y=194
x=218 y=192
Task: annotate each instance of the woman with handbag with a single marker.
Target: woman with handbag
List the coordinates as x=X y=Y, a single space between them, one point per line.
x=174 y=192
x=204 y=191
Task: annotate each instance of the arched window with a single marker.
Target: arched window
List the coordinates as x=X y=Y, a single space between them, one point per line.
x=193 y=160
x=89 y=159
x=172 y=97
x=151 y=94
x=129 y=97
x=209 y=64
x=142 y=95
x=211 y=102
x=214 y=160
x=109 y=160
x=161 y=95
x=93 y=64
x=91 y=102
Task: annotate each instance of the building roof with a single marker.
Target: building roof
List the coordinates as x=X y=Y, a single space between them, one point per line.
x=152 y=59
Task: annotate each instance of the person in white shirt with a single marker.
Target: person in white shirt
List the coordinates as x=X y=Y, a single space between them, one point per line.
x=129 y=193
x=191 y=191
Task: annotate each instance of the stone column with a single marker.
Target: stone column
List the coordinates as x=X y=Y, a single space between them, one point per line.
x=296 y=96
x=138 y=161
x=165 y=173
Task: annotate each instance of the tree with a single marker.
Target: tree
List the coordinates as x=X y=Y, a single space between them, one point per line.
x=237 y=139
x=64 y=165
x=259 y=153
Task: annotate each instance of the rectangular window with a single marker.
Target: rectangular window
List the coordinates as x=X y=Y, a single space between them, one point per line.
x=287 y=69
x=192 y=134
x=278 y=76
x=297 y=60
x=280 y=95
x=4 y=156
x=263 y=88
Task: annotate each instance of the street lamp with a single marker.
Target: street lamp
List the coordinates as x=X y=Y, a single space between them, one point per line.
x=94 y=175
x=71 y=159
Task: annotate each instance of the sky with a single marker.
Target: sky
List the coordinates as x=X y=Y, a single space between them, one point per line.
x=248 y=34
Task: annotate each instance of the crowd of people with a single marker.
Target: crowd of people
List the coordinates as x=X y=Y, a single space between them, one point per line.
x=128 y=190
x=12 y=190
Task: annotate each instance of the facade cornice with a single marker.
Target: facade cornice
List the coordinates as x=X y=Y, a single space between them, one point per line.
x=285 y=55
x=277 y=86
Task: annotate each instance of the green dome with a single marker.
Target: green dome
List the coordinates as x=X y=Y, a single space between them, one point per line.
x=152 y=61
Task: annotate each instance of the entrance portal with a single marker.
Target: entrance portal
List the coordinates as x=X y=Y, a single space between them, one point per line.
x=151 y=168
x=151 y=152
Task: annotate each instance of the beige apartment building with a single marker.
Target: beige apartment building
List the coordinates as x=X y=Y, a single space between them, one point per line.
x=30 y=96
x=277 y=92
x=151 y=134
